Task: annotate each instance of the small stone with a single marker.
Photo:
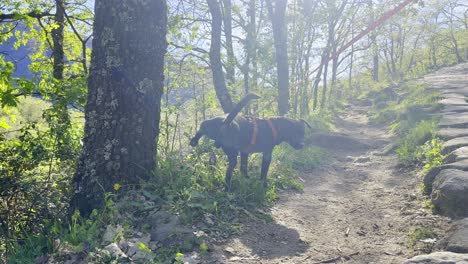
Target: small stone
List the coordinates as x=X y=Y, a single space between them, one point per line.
x=208 y=219
x=457 y=240
x=115 y=250
x=111 y=233
x=191 y=258
x=229 y=250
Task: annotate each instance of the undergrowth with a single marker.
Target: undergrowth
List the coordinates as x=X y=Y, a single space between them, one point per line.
x=190 y=186
x=194 y=185
x=417 y=237
x=408 y=109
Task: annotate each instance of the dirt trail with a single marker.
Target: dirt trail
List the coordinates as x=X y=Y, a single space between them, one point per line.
x=359 y=208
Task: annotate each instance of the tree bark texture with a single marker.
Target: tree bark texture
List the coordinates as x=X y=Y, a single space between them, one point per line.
x=215 y=57
x=123 y=105
x=57 y=36
x=278 y=21
x=231 y=59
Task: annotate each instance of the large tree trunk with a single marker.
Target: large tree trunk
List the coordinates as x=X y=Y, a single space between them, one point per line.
x=278 y=21
x=215 y=57
x=123 y=108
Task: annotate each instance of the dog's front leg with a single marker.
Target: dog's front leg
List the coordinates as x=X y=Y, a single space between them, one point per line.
x=266 y=160
x=232 y=160
x=243 y=166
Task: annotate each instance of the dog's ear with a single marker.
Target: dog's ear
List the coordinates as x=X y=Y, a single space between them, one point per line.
x=306 y=123
x=238 y=108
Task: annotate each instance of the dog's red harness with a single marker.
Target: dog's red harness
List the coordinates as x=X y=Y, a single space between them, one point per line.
x=274 y=132
x=253 y=139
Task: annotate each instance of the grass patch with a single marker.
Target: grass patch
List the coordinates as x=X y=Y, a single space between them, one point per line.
x=193 y=187
x=408 y=108
x=403 y=105
x=412 y=145
x=420 y=233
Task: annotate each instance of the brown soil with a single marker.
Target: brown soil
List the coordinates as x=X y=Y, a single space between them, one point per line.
x=358 y=208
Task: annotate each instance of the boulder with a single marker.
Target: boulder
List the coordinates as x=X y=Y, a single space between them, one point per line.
x=439 y=258
x=454 y=101
x=457 y=155
x=451 y=133
x=450 y=193
x=455 y=109
x=453 y=144
x=430 y=176
x=457 y=238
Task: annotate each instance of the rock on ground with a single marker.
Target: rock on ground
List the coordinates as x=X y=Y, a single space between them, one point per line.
x=450 y=193
x=439 y=258
x=453 y=144
x=433 y=173
x=167 y=229
x=451 y=133
x=457 y=155
x=115 y=251
x=457 y=239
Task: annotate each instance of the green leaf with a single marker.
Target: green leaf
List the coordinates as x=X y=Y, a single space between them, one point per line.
x=4 y=124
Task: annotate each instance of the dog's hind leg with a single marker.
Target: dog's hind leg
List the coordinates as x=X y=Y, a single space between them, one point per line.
x=266 y=160
x=232 y=160
x=243 y=165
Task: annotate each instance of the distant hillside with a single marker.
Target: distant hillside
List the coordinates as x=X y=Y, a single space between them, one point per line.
x=18 y=56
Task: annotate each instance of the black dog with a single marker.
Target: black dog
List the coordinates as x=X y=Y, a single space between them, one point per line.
x=247 y=134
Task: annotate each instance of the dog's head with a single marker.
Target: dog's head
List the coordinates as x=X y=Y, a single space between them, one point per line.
x=222 y=129
x=293 y=131
x=210 y=128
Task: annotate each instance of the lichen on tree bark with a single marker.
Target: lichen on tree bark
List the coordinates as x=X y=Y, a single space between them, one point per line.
x=124 y=91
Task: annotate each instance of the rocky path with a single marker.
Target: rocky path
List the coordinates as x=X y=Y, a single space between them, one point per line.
x=359 y=208
x=447 y=185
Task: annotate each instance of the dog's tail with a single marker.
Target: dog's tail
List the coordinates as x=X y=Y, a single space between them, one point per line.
x=239 y=107
x=307 y=123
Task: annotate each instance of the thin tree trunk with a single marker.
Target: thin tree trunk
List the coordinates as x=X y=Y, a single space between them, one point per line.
x=373 y=38
x=278 y=21
x=231 y=59
x=324 y=86
x=253 y=51
x=215 y=57
x=57 y=36
x=317 y=79
x=61 y=123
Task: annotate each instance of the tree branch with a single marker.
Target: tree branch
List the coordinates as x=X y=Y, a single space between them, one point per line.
x=30 y=14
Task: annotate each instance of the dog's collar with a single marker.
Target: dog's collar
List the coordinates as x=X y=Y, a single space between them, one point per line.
x=274 y=132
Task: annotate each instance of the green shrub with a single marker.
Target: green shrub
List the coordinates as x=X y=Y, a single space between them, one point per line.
x=194 y=185
x=431 y=153
x=410 y=150
x=419 y=233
